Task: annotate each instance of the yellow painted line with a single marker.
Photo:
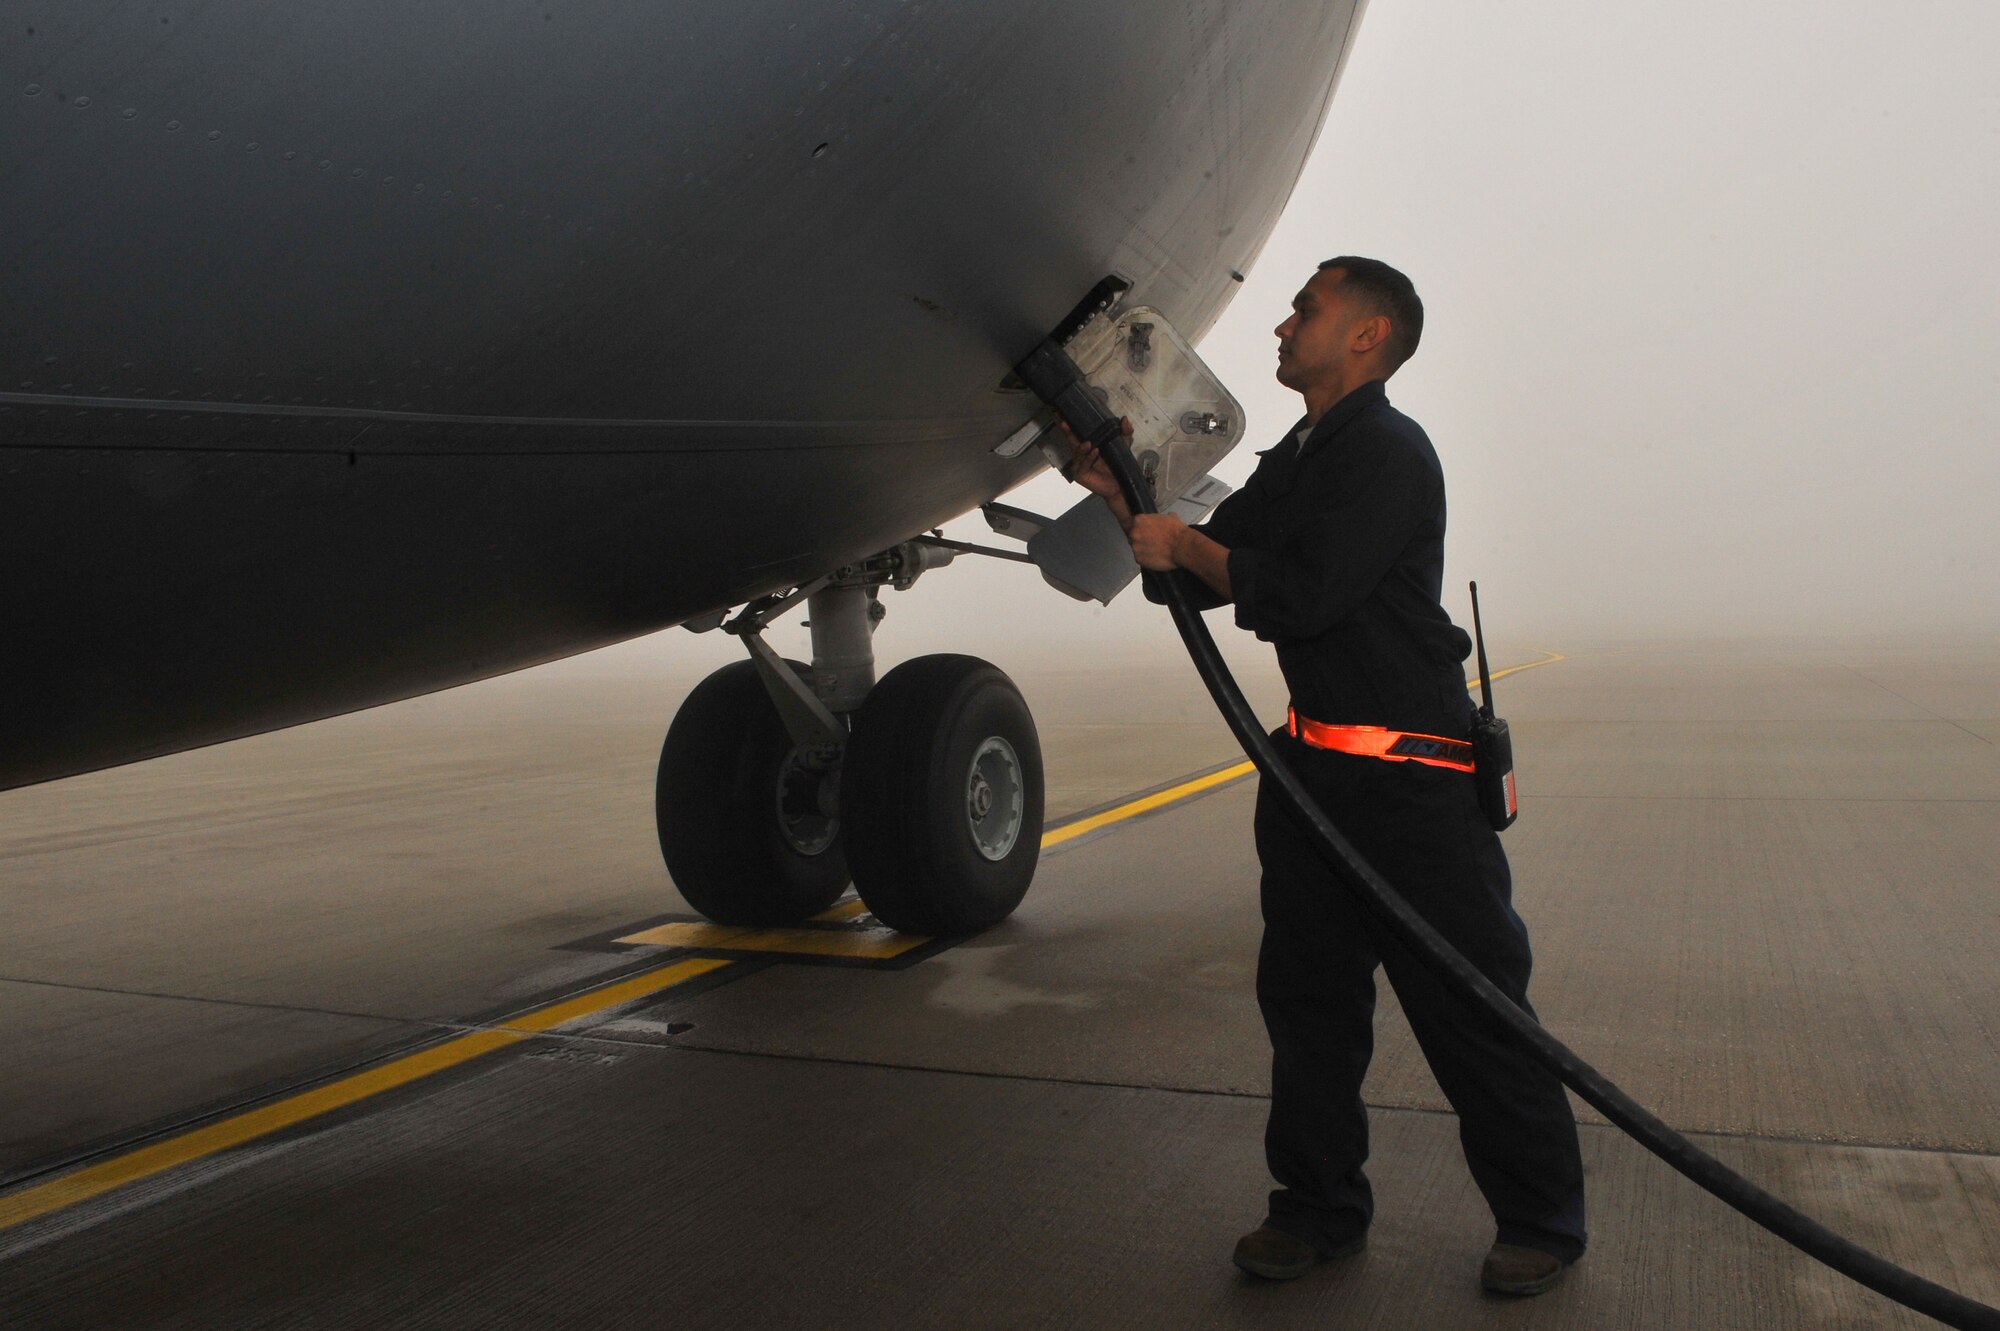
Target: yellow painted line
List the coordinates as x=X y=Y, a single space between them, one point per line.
x=846 y=910
x=1173 y=794
x=1548 y=658
x=1144 y=804
x=94 y=1180
x=611 y=995
x=877 y=944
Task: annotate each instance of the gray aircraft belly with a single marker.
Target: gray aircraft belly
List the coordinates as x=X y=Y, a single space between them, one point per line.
x=357 y=350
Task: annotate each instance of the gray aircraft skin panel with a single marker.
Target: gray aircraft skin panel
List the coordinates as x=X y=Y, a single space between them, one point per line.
x=355 y=351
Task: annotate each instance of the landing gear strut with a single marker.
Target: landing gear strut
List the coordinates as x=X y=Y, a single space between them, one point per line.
x=779 y=778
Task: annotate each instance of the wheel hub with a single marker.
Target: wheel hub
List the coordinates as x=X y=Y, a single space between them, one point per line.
x=802 y=815
x=994 y=798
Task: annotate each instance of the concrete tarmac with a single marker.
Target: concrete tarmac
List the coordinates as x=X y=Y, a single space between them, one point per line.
x=1758 y=878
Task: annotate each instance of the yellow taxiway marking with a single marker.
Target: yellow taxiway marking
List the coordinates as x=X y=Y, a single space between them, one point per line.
x=1548 y=658
x=875 y=944
x=846 y=910
x=1144 y=804
x=93 y=1180
x=537 y=1020
x=1160 y=799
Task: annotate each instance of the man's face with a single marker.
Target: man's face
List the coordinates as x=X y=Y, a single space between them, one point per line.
x=1315 y=343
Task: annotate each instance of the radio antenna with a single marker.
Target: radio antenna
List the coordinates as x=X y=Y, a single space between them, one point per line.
x=1479 y=638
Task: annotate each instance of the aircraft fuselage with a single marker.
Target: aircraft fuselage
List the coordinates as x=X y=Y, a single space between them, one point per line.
x=357 y=351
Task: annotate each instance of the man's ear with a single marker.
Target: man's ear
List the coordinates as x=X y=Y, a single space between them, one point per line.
x=1372 y=333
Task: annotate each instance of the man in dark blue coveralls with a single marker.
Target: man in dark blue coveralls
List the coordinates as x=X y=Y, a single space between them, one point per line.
x=1333 y=551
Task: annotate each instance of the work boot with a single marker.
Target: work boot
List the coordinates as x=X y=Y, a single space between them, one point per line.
x=1276 y=1255
x=1511 y=1269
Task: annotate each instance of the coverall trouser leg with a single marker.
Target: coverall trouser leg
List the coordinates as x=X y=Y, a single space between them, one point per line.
x=1422 y=829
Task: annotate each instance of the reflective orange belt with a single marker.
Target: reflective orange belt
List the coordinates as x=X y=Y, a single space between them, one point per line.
x=1396 y=746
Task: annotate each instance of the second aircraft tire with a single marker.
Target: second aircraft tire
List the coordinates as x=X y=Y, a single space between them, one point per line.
x=941 y=797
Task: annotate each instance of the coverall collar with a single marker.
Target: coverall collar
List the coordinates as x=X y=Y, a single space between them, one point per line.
x=1341 y=413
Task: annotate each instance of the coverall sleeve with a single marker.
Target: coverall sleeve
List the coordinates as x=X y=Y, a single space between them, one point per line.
x=1313 y=575
x=1225 y=526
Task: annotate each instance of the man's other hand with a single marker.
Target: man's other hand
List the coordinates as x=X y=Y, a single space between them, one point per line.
x=1088 y=468
x=1157 y=539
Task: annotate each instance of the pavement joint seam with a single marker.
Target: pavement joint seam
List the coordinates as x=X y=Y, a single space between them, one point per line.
x=221 y=1002
x=1721 y=1134
x=1914 y=703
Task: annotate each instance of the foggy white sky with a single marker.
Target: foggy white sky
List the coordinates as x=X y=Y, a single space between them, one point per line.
x=1713 y=340
x=1713 y=297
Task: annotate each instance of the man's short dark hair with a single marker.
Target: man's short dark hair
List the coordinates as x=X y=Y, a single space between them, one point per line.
x=1389 y=293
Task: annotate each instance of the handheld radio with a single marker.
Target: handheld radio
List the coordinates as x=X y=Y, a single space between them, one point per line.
x=1492 y=747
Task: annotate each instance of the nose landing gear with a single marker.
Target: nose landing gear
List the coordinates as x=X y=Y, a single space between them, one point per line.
x=778 y=778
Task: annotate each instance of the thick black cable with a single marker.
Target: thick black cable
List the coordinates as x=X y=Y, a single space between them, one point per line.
x=1794 y=1226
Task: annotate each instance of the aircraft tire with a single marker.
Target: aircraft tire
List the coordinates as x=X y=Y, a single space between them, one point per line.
x=734 y=846
x=941 y=796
